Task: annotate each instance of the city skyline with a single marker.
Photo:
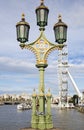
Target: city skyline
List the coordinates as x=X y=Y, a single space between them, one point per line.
x=17 y=67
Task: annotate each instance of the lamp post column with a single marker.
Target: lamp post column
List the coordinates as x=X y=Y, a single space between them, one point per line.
x=41 y=98
x=41 y=87
x=41 y=84
x=41 y=91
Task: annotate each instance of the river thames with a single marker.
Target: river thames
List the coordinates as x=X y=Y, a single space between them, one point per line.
x=12 y=119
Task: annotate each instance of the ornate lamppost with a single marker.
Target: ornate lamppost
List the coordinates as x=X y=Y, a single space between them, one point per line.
x=41 y=118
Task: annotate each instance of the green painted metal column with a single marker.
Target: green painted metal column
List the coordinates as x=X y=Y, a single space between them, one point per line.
x=41 y=124
x=49 y=123
x=41 y=91
x=48 y=95
x=34 y=121
x=41 y=84
x=41 y=103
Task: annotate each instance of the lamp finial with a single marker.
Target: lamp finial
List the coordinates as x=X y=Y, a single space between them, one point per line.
x=42 y=1
x=59 y=17
x=23 y=16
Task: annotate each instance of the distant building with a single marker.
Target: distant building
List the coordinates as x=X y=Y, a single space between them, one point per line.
x=6 y=96
x=25 y=96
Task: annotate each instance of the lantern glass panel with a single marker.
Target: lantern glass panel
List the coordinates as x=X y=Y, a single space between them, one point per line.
x=26 y=32
x=65 y=33
x=61 y=32
x=42 y=15
x=22 y=31
x=56 y=32
x=46 y=16
x=38 y=16
x=18 y=32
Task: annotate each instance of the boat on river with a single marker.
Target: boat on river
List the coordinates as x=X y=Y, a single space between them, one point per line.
x=24 y=106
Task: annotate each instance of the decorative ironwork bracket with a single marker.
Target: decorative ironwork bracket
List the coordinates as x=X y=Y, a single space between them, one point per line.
x=42 y=48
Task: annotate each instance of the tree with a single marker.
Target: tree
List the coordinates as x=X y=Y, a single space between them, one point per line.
x=75 y=99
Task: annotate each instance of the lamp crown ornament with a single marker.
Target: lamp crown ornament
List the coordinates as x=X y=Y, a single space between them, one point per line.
x=23 y=17
x=42 y=1
x=59 y=17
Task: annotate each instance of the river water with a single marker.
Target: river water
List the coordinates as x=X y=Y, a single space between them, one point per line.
x=12 y=119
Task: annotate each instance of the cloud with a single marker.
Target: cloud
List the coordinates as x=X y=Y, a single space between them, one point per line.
x=76 y=14
x=16 y=65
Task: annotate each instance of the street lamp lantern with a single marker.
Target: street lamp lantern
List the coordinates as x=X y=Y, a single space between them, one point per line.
x=22 y=28
x=42 y=15
x=60 y=31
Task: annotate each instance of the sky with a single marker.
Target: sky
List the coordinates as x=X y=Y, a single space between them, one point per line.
x=18 y=73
